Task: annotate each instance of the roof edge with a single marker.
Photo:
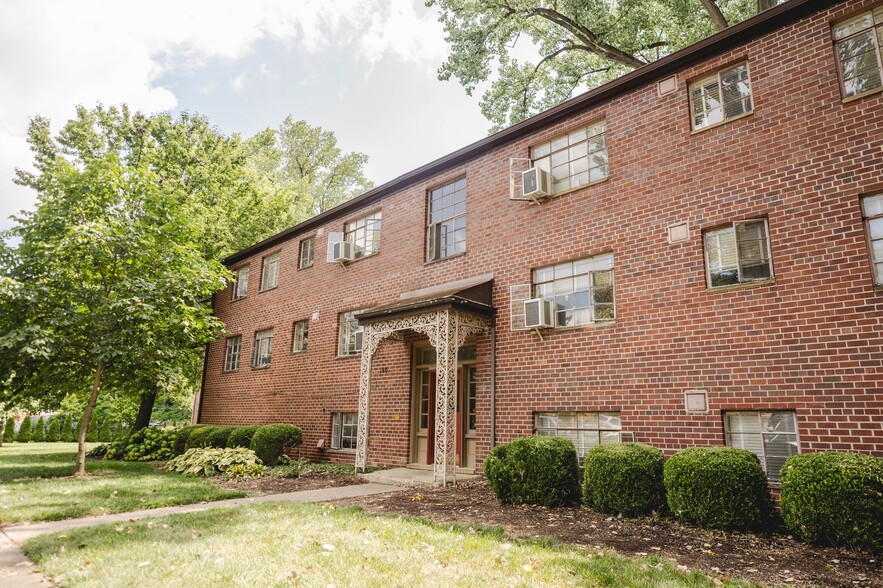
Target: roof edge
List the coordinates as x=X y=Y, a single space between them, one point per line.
x=737 y=34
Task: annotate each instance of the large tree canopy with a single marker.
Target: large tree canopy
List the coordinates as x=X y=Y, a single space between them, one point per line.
x=571 y=44
x=107 y=279
x=305 y=165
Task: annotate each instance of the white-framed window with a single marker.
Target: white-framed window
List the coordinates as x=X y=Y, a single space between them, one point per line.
x=364 y=234
x=231 y=355
x=720 y=96
x=344 y=429
x=270 y=273
x=574 y=159
x=307 y=252
x=350 y=335
x=446 y=233
x=240 y=286
x=584 y=429
x=859 y=56
x=738 y=253
x=582 y=290
x=301 y=332
x=771 y=436
x=262 y=348
x=872 y=210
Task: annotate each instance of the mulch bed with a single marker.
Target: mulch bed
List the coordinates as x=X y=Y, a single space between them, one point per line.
x=775 y=560
x=271 y=485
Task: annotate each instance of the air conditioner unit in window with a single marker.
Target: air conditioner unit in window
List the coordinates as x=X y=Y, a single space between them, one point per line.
x=539 y=313
x=342 y=251
x=535 y=183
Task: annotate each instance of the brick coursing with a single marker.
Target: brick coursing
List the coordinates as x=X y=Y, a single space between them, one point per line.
x=809 y=342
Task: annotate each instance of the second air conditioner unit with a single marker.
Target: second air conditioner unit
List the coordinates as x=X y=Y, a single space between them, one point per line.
x=539 y=313
x=535 y=183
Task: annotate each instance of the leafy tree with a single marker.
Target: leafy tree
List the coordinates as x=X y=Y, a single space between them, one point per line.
x=9 y=430
x=121 y=432
x=578 y=44
x=24 y=430
x=304 y=164
x=53 y=433
x=105 y=278
x=92 y=431
x=38 y=434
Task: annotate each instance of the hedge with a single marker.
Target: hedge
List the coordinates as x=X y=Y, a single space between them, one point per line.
x=24 y=431
x=68 y=434
x=53 y=434
x=38 y=433
x=201 y=435
x=534 y=470
x=718 y=488
x=624 y=478
x=218 y=437
x=9 y=430
x=834 y=497
x=241 y=436
x=270 y=441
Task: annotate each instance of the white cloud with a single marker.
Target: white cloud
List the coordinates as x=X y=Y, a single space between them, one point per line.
x=55 y=55
x=238 y=82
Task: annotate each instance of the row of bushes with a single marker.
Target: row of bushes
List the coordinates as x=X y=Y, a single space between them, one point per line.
x=60 y=428
x=269 y=442
x=826 y=497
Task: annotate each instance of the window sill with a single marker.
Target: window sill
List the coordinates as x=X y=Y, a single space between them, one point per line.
x=350 y=356
x=358 y=259
x=229 y=371
x=566 y=192
x=862 y=95
x=720 y=123
x=878 y=288
x=260 y=367
x=268 y=289
x=590 y=326
x=304 y=267
x=338 y=450
x=238 y=299
x=441 y=259
x=300 y=352
x=742 y=286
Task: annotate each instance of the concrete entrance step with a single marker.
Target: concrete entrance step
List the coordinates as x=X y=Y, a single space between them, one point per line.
x=411 y=477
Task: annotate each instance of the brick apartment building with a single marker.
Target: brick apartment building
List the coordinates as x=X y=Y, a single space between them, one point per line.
x=711 y=236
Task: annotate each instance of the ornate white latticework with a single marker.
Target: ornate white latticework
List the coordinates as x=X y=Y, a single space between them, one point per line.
x=447 y=330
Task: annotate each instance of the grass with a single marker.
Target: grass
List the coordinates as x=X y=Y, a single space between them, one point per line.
x=319 y=545
x=36 y=484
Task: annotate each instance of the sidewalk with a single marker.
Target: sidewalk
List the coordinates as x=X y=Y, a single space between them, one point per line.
x=16 y=570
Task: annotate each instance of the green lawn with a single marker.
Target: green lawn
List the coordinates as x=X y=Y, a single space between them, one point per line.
x=36 y=484
x=319 y=545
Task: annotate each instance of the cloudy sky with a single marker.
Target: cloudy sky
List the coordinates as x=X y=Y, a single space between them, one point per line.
x=365 y=69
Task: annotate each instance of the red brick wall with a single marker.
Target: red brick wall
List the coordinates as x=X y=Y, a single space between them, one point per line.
x=809 y=342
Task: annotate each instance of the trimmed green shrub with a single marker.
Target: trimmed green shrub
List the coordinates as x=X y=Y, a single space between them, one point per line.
x=53 y=433
x=270 y=441
x=218 y=437
x=68 y=433
x=24 y=430
x=624 y=478
x=534 y=470
x=92 y=431
x=151 y=444
x=834 y=497
x=201 y=436
x=38 y=434
x=718 y=488
x=9 y=430
x=236 y=462
x=183 y=438
x=104 y=433
x=241 y=436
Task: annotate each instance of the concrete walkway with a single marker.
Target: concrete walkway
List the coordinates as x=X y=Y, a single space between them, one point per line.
x=18 y=571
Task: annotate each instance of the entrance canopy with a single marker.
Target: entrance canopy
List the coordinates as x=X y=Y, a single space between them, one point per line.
x=447 y=315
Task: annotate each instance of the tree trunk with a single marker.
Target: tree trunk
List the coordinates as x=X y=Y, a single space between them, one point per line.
x=144 y=410
x=87 y=417
x=714 y=11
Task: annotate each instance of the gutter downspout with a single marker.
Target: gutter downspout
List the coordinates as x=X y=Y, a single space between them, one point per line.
x=493 y=382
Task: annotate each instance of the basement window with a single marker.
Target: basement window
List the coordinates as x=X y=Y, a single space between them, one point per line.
x=344 y=430
x=584 y=429
x=771 y=436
